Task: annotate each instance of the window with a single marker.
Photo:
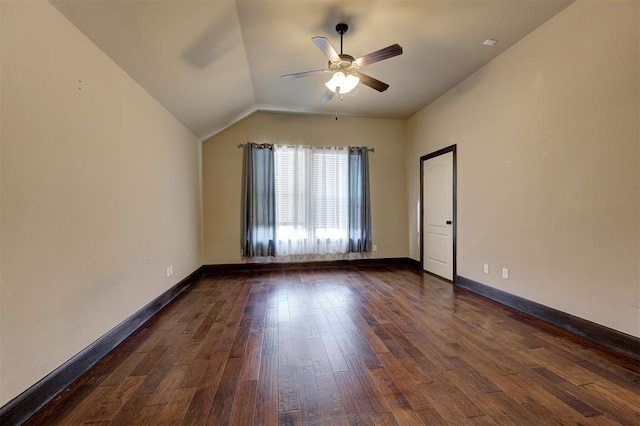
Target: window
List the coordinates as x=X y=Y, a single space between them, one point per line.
x=305 y=200
x=312 y=197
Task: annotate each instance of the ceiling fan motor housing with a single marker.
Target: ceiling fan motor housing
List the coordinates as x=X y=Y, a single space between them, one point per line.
x=347 y=63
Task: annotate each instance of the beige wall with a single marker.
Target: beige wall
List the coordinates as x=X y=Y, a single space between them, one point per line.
x=222 y=173
x=548 y=141
x=99 y=194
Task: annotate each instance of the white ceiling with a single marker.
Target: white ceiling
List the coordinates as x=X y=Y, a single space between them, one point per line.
x=212 y=62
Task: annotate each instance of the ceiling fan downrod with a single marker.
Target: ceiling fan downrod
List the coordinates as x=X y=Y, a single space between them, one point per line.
x=341 y=28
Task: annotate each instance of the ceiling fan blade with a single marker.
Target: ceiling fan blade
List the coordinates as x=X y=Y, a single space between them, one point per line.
x=328 y=95
x=379 y=55
x=326 y=47
x=372 y=82
x=303 y=74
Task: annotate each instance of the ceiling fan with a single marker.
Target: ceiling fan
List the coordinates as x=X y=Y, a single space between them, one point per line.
x=345 y=68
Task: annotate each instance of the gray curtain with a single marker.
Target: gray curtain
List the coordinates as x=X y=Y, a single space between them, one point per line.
x=359 y=201
x=258 y=231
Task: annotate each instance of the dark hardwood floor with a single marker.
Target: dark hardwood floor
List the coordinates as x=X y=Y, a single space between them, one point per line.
x=368 y=345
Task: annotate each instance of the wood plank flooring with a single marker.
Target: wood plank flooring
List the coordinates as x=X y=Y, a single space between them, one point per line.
x=369 y=346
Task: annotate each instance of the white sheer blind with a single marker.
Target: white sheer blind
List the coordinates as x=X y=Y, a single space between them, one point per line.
x=311 y=185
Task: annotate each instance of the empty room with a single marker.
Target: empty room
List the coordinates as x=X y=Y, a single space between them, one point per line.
x=317 y=212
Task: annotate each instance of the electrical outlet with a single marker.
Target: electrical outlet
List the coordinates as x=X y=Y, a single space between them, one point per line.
x=375 y=247
x=505 y=273
x=486 y=268
x=168 y=271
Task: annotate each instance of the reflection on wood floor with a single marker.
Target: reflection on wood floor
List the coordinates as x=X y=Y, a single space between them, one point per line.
x=366 y=345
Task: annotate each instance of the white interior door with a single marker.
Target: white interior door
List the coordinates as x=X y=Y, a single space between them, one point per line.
x=437 y=198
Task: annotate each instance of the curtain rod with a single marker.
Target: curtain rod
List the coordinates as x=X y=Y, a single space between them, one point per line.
x=292 y=146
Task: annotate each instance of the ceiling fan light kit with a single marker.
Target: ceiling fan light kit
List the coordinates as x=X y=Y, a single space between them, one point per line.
x=345 y=68
x=341 y=83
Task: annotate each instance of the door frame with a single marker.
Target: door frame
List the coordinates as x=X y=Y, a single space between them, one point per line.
x=454 y=171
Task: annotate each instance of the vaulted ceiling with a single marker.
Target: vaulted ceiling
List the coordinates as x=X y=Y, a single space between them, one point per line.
x=212 y=62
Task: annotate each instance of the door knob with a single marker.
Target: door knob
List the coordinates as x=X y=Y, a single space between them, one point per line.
x=448 y=222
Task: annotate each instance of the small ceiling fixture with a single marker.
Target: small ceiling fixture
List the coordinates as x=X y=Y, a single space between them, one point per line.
x=490 y=42
x=345 y=68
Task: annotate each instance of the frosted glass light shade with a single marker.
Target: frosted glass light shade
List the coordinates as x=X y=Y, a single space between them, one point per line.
x=343 y=84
